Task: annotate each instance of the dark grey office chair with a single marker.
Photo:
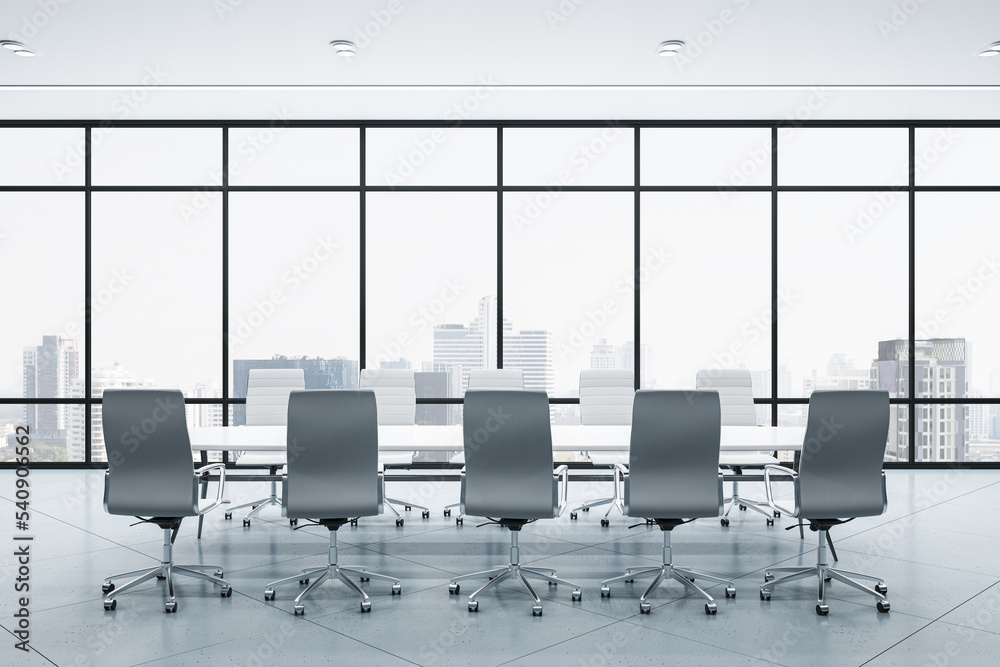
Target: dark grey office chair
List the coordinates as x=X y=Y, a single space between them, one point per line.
x=150 y=474
x=508 y=475
x=840 y=475
x=673 y=476
x=332 y=475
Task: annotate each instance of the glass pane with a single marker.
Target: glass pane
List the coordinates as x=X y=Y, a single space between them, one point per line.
x=279 y=155
x=842 y=289
x=984 y=433
x=715 y=271
x=568 y=291
x=957 y=292
x=42 y=156
x=957 y=156
x=569 y=156
x=158 y=156
x=431 y=156
x=42 y=279
x=160 y=325
x=843 y=156
x=431 y=285
x=725 y=157
x=897 y=439
x=45 y=446
x=294 y=295
x=943 y=434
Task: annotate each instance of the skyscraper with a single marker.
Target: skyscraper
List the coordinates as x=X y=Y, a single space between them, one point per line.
x=319 y=374
x=49 y=372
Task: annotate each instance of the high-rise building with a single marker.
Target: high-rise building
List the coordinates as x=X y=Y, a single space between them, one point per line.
x=606 y=356
x=49 y=370
x=841 y=373
x=942 y=431
x=603 y=356
x=204 y=414
x=319 y=374
x=101 y=379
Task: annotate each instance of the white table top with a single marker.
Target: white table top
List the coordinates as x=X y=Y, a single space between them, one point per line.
x=565 y=438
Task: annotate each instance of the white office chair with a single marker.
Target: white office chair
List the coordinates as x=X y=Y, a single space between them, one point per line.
x=499 y=379
x=736 y=398
x=267 y=405
x=396 y=400
x=606 y=398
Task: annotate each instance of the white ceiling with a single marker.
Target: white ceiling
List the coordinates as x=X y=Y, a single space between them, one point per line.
x=500 y=59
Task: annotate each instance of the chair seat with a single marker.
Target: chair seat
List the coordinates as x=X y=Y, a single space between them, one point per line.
x=608 y=458
x=395 y=458
x=746 y=459
x=262 y=459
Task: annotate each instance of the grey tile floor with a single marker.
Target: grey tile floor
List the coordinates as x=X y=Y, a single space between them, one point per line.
x=937 y=549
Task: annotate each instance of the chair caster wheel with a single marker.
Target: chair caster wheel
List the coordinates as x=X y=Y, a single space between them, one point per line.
x=827 y=579
x=354 y=522
x=577 y=595
x=293 y=522
x=572 y=516
x=710 y=608
x=743 y=508
x=397 y=589
x=777 y=514
x=691 y=579
x=300 y=609
x=630 y=581
x=605 y=591
x=160 y=577
x=586 y=509
x=473 y=605
x=605 y=523
x=303 y=582
x=459 y=521
x=226 y=591
x=365 y=578
x=366 y=607
x=724 y=522
x=552 y=583
x=453 y=589
x=730 y=591
x=229 y=516
x=644 y=608
x=170 y=607
x=536 y=610
x=407 y=508
x=882 y=606
x=765 y=595
x=882 y=588
x=246 y=523
x=447 y=512
x=822 y=609
x=110 y=605
x=768 y=577
x=399 y=521
x=650 y=522
x=425 y=514
x=770 y=522
x=268 y=595
x=107 y=587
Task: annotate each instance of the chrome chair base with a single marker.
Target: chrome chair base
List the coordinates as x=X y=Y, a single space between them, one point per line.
x=389 y=502
x=332 y=571
x=614 y=502
x=668 y=571
x=824 y=573
x=516 y=572
x=743 y=503
x=165 y=570
x=258 y=505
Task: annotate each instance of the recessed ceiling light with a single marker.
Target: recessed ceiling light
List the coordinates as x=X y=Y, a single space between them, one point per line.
x=669 y=48
x=344 y=48
x=17 y=47
x=25 y=53
x=991 y=50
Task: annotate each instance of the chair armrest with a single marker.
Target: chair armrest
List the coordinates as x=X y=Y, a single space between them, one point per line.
x=562 y=472
x=221 y=467
x=771 y=468
x=381 y=492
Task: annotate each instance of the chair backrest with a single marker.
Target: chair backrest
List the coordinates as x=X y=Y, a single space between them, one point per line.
x=840 y=470
x=332 y=455
x=496 y=378
x=735 y=394
x=267 y=394
x=674 y=455
x=606 y=397
x=150 y=466
x=508 y=454
x=395 y=394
